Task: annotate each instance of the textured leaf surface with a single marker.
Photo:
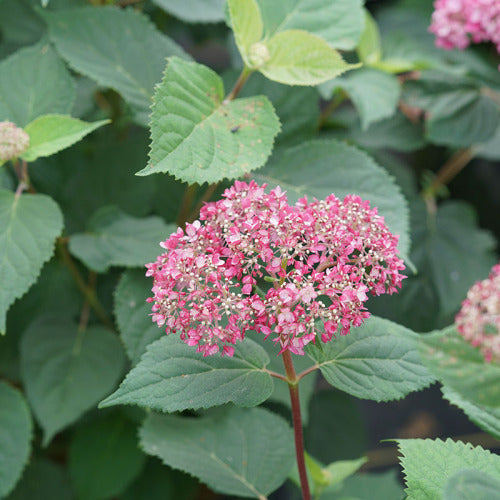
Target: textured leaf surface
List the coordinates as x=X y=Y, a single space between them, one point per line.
x=107 y=451
x=194 y=11
x=67 y=372
x=340 y=22
x=133 y=314
x=197 y=137
x=427 y=464
x=119 y=48
x=33 y=82
x=15 y=436
x=378 y=361
x=460 y=366
x=297 y=57
x=172 y=376
x=486 y=417
x=247 y=453
x=321 y=167
x=51 y=133
x=374 y=93
x=29 y=225
x=116 y=239
x=470 y=484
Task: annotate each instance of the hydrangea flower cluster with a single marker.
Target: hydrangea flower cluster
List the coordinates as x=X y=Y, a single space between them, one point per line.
x=458 y=22
x=318 y=259
x=13 y=141
x=479 y=318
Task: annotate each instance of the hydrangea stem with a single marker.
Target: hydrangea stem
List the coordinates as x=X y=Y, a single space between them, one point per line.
x=293 y=386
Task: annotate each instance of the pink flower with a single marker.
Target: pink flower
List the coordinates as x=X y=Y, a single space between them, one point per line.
x=479 y=318
x=322 y=258
x=457 y=23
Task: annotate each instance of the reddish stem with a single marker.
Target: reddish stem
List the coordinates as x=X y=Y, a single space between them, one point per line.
x=297 y=423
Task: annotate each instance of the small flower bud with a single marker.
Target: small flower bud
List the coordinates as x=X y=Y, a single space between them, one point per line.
x=13 y=141
x=258 y=55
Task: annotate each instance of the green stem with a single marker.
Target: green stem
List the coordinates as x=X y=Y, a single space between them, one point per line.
x=337 y=100
x=187 y=201
x=88 y=293
x=206 y=197
x=242 y=79
x=293 y=387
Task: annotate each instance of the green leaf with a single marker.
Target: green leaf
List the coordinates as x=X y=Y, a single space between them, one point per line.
x=42 y=480
x=460 y=366
x=51 y=133
x=133 y=314
x=105 y=450
x=247 y=26
x=29 y=225
x=374 y=93
x=369 y=48
x=66 y=371
x=451 y=253
x=297 y=57
x=194 y=11
x=427 y=464
x=117 y=239
x=334 y=417
x=247 y=453
x=119 y=48
x=381 y=486
x=172 y=376
x=378 y=361
x=458 y=113
x=321 y=167
x=485 y=417
x=340 y=23
x=197 y=137
x=472 y=484
x=15 y=436
x=33 y=82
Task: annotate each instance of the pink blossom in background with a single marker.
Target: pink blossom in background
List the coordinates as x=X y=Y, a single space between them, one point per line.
x=457 y=23
x=319 y=260
x=479 y=318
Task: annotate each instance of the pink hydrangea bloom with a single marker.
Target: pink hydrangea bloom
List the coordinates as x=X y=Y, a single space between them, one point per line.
x=479 y=318
x=457 y=23
x=319 y=259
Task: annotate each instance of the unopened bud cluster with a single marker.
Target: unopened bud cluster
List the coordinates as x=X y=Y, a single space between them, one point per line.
x=319 y=260
x=14 y=141
x=479 y=318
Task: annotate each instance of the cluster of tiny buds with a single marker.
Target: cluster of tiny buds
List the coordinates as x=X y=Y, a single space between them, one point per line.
x=13 y=141
x=254 y=262
x=478 y=320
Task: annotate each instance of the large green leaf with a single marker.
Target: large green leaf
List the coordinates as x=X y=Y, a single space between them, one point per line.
x=451 y=253
x=51 y=133
x=378 y=361
x=194 y=11
x=33 y=82
x=369 y=48
x=428 y=464
x=460 y=366
x=240 y=452
x=105 y=450
x=486 y=417
x=321 y=167
x=29 y=225
x=172 y=376
x=197 y=137
x=458 y=112
x=472 y=484
x=119 y=48
x=133 y=314
x=66 y=371
x=41 y=480
x=374 y=93
x=15 y=436
x=380 y=486
x=117 y=239
x=339 y=22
